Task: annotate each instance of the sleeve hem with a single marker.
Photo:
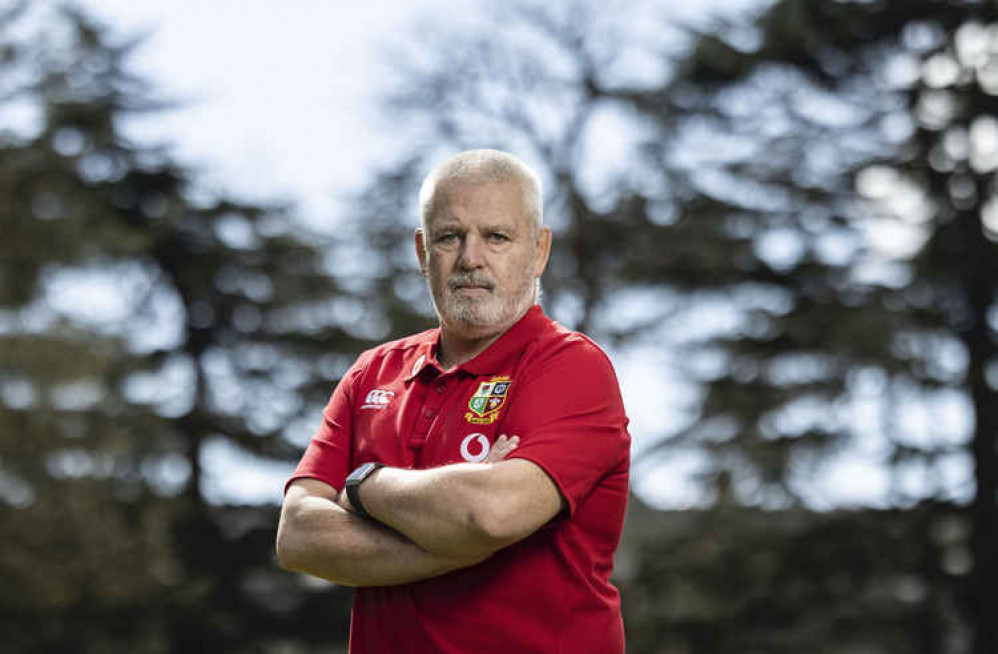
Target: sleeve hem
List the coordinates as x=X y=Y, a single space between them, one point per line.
x=569 y=500
x=307 y=475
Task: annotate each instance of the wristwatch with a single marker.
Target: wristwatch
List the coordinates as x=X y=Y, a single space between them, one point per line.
x=353 y=483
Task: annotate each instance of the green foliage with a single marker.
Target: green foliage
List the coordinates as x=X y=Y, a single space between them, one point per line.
x=916 y=80
x=223 y=328
x=752 y=581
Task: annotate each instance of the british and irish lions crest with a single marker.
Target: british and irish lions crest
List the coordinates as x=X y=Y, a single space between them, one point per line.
x=484 y=405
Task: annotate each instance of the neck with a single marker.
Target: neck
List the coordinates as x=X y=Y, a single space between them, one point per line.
x=456 y=349
x=461 y=343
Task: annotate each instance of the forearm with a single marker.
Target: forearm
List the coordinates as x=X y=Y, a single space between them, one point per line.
x=435 y=508
x=461 y=509
x=319 y=538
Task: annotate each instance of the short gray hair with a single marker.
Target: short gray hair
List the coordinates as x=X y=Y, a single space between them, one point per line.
x=479 y=167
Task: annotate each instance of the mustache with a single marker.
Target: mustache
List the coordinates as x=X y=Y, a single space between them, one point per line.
x=459 y=280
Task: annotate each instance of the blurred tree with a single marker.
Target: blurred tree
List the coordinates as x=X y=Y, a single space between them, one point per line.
x=798 y=202
x=789 y=581
x=147 y=325
x=837 y=120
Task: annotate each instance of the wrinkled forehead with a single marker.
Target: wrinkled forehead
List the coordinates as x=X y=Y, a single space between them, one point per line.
x=461 y=201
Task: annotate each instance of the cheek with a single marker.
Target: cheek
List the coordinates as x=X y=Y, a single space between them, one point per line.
x=437 y=269
x=516 y=270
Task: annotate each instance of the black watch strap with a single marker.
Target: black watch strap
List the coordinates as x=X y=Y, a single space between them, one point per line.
x=353 y=483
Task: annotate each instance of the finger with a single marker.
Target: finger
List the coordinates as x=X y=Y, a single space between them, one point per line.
x=500 y=448
x=495 y=455
x=344 y=502
x=509 y=443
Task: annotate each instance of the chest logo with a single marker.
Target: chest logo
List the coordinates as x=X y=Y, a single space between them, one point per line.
x=484 y=405
x=377 y=399
x=482 y=448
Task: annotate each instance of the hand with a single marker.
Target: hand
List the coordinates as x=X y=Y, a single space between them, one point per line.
x=344 y=502
x=501 y=448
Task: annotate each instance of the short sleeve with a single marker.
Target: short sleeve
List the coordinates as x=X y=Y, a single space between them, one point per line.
x=570 y=417
x=328 y=457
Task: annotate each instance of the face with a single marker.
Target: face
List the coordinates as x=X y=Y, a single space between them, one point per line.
x=482 y=257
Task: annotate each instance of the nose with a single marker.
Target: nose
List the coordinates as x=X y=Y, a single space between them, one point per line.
x=471 y=252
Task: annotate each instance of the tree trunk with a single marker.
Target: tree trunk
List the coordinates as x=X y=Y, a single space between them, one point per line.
x=977 y=338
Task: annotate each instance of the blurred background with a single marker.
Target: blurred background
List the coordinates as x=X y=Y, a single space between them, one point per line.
x=778 y=217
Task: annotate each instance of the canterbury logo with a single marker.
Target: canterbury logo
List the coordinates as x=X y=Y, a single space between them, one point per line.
x=377 y=399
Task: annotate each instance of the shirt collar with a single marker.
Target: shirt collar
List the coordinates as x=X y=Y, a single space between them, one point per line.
x=511 y=343
x=425 y=355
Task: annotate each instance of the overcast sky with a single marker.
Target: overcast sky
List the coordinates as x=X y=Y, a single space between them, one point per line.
x=279 y=97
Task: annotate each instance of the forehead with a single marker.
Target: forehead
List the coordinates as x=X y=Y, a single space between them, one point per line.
x=479 y=203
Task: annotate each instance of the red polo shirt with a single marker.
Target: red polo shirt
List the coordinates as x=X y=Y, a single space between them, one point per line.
x=549 y=593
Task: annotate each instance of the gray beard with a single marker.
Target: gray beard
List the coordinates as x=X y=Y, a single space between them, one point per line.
x=492 y=311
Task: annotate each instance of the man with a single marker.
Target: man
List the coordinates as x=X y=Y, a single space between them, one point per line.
x=489 y=456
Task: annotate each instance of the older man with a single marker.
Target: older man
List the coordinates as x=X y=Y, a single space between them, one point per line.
x=471 y=480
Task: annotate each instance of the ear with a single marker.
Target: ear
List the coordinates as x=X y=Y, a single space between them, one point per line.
x=420 y=243
x=543 y=245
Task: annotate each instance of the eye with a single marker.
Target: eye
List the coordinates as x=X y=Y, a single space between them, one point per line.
x=498 y=237
x=447 y=237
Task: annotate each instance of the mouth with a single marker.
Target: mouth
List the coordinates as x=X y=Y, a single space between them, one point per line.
x=474 y=291
x=469 y=285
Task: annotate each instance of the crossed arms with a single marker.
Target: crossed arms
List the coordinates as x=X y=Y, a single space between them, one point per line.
x=429 y=522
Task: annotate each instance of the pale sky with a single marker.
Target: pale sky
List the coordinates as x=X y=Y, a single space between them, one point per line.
x=279 y=97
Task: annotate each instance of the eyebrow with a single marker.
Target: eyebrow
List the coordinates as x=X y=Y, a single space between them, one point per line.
x=457 y=225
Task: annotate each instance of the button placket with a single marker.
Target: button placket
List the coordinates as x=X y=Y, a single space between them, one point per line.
x=430 y=410
x=432 y=407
